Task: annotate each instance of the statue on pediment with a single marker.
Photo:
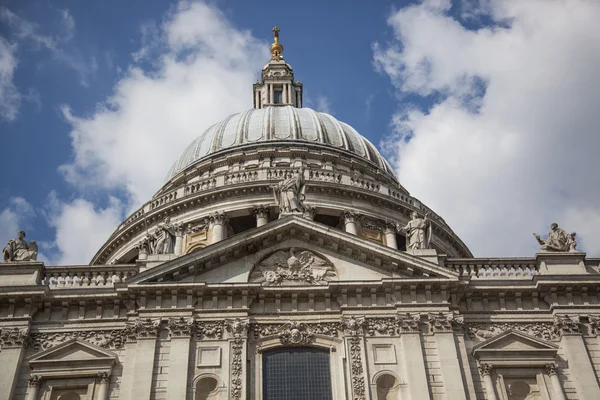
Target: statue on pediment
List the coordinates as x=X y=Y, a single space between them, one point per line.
x=289 y=193
x=558 y=240
x=293 y=268
x=418 y=232
x=20 y=250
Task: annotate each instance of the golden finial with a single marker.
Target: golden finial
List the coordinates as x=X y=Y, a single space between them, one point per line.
x=276 y=47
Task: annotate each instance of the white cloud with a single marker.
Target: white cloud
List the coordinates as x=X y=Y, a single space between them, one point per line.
x=81 y=228
x=10 y=98
x=512 y=144
x=202 y=71
x=324 y=105
x=14 y=218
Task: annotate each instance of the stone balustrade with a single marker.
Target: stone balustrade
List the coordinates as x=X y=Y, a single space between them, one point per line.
x=87 y=276
x=495 y=269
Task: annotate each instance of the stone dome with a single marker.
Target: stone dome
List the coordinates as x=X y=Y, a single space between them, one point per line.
x=279 y=124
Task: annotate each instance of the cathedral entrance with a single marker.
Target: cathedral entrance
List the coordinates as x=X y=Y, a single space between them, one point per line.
x=298 y=373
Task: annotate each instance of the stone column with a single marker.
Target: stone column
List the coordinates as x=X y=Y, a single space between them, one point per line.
x=350 y=222
x=580 y=366
x=103 y=383
x=35 y=382
x=442 y=326
x=485 y=370
x=141 y=363
x=390 y=235
x=12 y=342
x=219 y=229
x=271 y=94
x=178 y=250
x=177 y=382
x=256 y=98
x=552 y=371
x=410 y=337
x=262 y=215
x=284 y=95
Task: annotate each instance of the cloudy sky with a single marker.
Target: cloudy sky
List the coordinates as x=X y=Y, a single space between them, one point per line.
x=488 y=109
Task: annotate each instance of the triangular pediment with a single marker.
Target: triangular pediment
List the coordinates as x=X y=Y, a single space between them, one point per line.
x=75 y=353
x=352 y=258
x=514 y=346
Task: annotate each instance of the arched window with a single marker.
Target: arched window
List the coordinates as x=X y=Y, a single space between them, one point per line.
x=70 y=396
x=206 y=388
x=387 y=387
x=296 y=373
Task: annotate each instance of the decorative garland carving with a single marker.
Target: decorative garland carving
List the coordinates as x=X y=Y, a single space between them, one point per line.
x=381 y=326
x=237 y=327
x=356 y=368
x=181 y=327
x=114 y=339
x=567 y=325
x=444 y=322
x=14 y=337
x=239 y=330
x=296 y=332
x=408 y=322
x=542 y=330
x=210 y=330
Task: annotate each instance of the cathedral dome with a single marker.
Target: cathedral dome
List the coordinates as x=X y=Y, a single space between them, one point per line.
x=279 y=125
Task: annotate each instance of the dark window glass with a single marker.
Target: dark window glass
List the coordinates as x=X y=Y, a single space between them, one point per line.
x=296 y=374
x=277 y=94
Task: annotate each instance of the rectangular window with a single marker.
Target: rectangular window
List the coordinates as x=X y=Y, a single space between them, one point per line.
x=278 y=96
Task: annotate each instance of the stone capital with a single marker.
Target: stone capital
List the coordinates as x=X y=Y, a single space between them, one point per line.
x=143 y=329
x=181 y=327
x=14 y=337
x=261 y=211
x=35 y=381
x=484 y=369
x=443 y=322
x=567 y=325
x=218 y=218
x=103 y=377
x=551 y=369
x=409 y=323
x=350 y=216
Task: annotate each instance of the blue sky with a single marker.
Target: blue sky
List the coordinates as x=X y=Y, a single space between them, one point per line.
x=484 y=107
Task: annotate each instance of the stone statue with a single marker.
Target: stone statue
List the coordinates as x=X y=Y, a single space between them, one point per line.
x=289 y=193
x=558 y=240
x=418 y=232
x=164 y=238
x=19 y=250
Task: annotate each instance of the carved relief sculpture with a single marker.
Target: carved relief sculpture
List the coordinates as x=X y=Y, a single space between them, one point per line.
x=558 y=240
x=293 y=267
x=163 y=238
x=418 y=232
x=20 y=250
x=289 y=194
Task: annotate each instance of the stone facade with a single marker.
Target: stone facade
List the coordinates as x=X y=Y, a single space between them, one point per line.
x=195 y=292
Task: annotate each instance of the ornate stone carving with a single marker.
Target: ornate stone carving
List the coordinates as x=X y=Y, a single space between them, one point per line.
x=108 y=339
x=35 y=381
x=551 y=369
x=196 y=227
x=261 y=211
x=237 y=369
x=381 y=326
x=289 y=194
x=408 y=322
x=295 y=333
x=443 y=322
x=356 y=368
x=20 y=250
x=567 y=325
x=484 y=369
x=103 y=377
x=181 y=327
x=353 y=326
x=238 y=327
x=594 y=324
x=14 y=337
x=210 y=330
x=543 y=330
x=558 y=240
x=142 y=328
x=296 y=267
x=418 y=232
x=162 y=240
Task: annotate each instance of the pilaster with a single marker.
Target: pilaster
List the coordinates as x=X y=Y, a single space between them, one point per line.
x=13 y=341
x=139 y=371
x=180 y=331
x=410 y=337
